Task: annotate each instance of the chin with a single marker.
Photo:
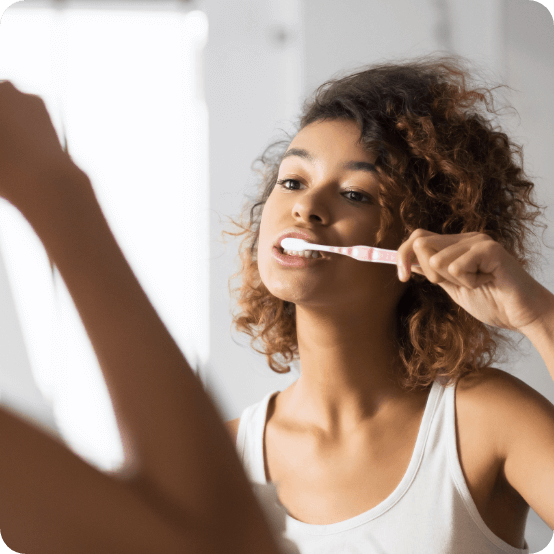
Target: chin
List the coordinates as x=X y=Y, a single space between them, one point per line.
x=277 y=286
x=280 y=290
x=292 y=291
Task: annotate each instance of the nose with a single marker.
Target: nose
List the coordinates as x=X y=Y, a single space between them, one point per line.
x=312 y=206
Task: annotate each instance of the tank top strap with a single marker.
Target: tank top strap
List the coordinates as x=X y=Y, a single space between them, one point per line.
x=458 y=478
x=250 y=437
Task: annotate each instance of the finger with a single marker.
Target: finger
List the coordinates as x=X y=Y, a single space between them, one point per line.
x=405 y=250
x=468 y=268
x=406 y=257
x=8 y=84
x=430 y=261
x=446 y=263
x=430 y=243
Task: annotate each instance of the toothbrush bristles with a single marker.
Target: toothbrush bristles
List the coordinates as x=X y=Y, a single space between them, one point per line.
x=294 y=244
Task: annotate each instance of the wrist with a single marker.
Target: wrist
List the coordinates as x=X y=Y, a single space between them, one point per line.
x=542 y=326
x=57 y=191
x=541 y=334
x=63 y=210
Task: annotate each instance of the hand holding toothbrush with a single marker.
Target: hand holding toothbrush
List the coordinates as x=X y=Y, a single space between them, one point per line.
x=480 y=276
x=475 y=271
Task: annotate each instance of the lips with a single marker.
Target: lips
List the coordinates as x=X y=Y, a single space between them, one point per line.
x=294 y=261
x=294 y=234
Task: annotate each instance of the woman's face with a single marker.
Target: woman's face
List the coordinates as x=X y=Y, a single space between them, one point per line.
x=327 y=193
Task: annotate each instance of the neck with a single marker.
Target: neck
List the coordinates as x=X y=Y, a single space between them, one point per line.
x=348 y=361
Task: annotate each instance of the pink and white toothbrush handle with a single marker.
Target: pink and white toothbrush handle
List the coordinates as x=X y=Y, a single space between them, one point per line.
x=367 y=254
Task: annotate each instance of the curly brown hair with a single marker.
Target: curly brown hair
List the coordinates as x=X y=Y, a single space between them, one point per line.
x=444 y=165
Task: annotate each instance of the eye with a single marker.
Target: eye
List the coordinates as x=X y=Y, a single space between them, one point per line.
x=284 y=183
x=356 y=196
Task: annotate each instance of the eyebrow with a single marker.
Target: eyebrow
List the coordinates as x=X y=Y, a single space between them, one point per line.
x=349 y=166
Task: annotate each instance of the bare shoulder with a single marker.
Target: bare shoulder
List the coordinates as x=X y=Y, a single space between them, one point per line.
x=497 y=399
x=233 y=428
x=494 y=389
x=481 y=402
x=518 y=424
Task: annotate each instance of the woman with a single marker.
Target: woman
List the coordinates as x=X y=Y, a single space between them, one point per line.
x=346 y=418
x=398 y=436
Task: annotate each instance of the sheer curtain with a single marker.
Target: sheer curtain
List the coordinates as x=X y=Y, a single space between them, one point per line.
x=124 y=84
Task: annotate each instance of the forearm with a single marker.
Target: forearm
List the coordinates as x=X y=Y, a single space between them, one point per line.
x=179 y=447
x=541 y=332
x=54 y=502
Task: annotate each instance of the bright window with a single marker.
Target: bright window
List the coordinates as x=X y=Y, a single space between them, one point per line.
x=126 y=85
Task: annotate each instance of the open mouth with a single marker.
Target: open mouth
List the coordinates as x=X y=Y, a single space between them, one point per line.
x=300 y=253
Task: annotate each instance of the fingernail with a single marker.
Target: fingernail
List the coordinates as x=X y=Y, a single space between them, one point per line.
x=402 y=272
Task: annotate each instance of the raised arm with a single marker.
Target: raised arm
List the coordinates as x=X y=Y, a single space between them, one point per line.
x=179 y=455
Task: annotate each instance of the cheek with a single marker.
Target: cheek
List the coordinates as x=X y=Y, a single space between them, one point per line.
x=265 y=244
x=263 y=265
x=266 y=225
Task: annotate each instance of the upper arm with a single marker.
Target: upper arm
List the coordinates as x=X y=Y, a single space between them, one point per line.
x=525 y=422
x=53 y=501
x=233 y=428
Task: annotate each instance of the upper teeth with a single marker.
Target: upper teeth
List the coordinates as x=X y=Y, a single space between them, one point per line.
x=302 y=253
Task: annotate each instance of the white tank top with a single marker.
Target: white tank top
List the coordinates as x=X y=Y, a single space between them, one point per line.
x=430 y=511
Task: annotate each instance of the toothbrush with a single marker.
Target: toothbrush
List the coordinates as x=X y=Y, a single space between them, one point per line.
x=361 y=253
